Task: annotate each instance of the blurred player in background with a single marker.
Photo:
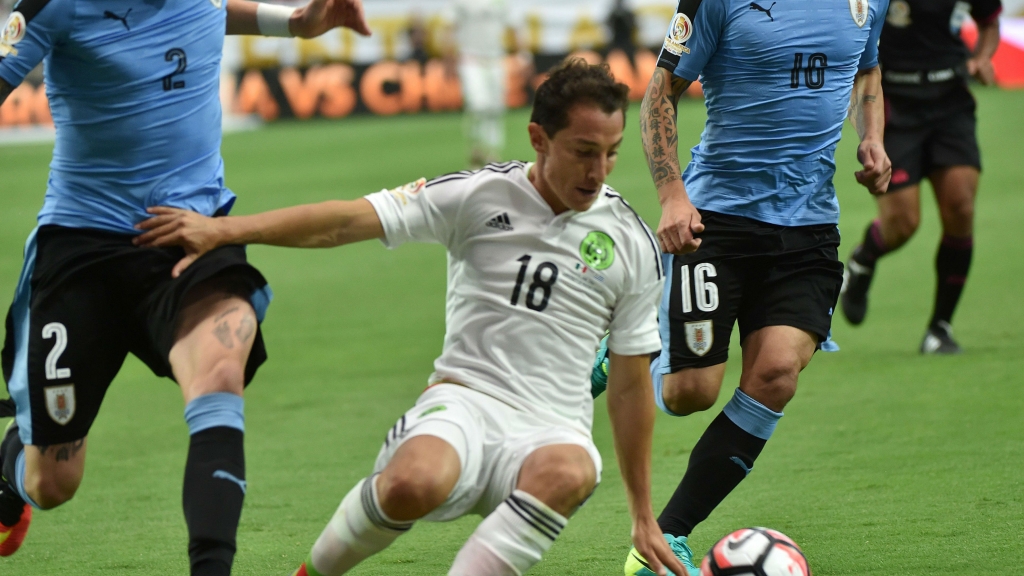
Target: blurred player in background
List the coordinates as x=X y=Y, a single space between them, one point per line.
x=476 y=46
x=134 y=92
x=750 y=227
x=930 y=132
x=543 y=258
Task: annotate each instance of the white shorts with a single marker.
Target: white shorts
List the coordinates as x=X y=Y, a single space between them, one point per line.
x=483 y=84
x=492 y=440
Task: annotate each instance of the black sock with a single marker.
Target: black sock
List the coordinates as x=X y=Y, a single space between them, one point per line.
x=952 y=263
x=212 y=498
x=872 y=248
x=11 y=504
x=722 y=458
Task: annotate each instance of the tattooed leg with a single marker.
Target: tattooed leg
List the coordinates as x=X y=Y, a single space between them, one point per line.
x=53 y=473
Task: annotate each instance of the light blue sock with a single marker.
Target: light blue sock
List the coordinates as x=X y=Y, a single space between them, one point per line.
x=19 y=479
x=213 y=410
x=751 y=416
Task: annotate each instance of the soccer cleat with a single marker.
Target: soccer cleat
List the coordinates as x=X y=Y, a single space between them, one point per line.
x=854 y=294
x=939 y=340
x=11 y=506
x=599 y=375
x=11 y=537
x=636 y=565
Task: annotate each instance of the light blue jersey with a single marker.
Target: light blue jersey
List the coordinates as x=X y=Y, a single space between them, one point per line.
x=777 y=78
x=134 y=92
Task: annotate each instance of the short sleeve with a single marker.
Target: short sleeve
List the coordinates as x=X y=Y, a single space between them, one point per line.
x=692 y=37
x=869 y=58
x=634 y=325
x=985 y=12
x=42 y=30
x=420 y=211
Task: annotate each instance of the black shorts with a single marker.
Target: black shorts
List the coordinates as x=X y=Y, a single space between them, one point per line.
x=86 y=298
x=757 y=273
x=923 y=135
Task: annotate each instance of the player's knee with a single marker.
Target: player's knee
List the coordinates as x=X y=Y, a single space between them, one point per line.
x=904 y=225
x=958 y=213
x=52 y=491
x=684 y=396
x=412 y=492
x=774 y=381
x=570 y=484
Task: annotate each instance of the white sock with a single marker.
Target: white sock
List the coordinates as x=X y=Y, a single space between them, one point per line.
x=511 y=540
x=358 y=530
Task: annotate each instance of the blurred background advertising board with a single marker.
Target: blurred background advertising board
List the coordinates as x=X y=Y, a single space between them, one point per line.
x=402 y=68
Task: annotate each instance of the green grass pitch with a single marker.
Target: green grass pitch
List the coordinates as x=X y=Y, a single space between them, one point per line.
x=886 y=463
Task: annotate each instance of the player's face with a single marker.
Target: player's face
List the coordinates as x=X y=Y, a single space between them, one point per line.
x=573 y=164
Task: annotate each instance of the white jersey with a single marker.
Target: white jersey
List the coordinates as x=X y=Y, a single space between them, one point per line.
x=480 y=27
x=531 y=293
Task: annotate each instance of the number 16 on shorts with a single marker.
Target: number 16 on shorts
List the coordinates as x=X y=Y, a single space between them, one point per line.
x=692 y=299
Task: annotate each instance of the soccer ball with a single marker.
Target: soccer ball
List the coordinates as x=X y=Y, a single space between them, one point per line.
x=755 y=552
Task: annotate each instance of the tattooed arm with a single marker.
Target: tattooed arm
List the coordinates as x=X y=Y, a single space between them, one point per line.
x=679 y=219
x=5 y=91
x=867 y=113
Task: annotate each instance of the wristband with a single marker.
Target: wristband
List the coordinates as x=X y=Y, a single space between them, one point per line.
x=272 y=20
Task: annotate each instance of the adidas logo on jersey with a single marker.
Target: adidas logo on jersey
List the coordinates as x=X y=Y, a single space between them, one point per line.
x=501 y=222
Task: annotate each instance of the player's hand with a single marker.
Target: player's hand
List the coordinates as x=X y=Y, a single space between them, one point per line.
x=650 y=543
x=319 y=16
x=877 y=167
x=982 y=70
x=196 y=233
x=680 y=221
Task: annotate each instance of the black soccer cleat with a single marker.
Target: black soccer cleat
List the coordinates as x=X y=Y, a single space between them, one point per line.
x=939 y=340
x=853 y=296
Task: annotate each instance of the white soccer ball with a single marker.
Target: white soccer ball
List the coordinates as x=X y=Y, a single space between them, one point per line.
x=755 y=552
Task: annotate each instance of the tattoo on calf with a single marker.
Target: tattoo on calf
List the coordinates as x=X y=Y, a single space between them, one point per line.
x=64 y=452
x=223 y=333
x=246 y=329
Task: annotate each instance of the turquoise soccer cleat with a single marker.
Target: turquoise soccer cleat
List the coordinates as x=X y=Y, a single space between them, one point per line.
x=636 y=565
x=599 y=375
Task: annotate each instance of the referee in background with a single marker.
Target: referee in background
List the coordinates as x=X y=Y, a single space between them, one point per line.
x=930 y=132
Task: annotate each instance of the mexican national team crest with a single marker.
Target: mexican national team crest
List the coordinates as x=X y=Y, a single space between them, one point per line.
x=13 y=32
x=699 y=336
x=598 y=250
x=60 y=403
x=410 y=189
x=859 y=9
x=678 y=34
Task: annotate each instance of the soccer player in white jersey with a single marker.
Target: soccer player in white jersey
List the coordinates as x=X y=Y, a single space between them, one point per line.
x=543 y=258
x=478 y=45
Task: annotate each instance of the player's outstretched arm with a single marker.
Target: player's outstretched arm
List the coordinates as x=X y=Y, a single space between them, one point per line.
x=679 y=219
x=867 y=112
x=980 y=64
x=309 y=21
x=322 y=225
x=5 y=90
x=631 y=409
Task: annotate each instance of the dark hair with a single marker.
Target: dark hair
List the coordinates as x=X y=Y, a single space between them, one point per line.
x=574 y=82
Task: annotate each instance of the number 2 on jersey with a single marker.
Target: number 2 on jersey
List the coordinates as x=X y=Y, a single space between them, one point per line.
x=544 y=278
x=175 y=54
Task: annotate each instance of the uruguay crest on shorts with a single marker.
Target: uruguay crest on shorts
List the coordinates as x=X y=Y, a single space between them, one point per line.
x=60 y=403
x=859 y=10
x=699 y=336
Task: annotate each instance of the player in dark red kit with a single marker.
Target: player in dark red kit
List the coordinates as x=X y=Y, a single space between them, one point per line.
x=929 y=133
